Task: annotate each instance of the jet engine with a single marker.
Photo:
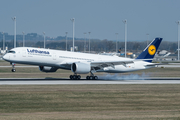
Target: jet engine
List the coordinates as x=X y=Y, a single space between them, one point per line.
x=47 y=69
x=81 y=67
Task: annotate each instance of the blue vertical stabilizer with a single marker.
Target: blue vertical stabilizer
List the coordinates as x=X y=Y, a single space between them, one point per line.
x=149 y=52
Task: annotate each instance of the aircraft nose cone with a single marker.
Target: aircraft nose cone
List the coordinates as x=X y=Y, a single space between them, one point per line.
x=5 y=57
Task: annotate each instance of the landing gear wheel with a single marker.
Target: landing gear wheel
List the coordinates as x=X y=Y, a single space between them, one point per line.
x=75 y=77
x=78 y=77
x=91 y=77
x=13 y=70
x=71 y=77
x=88 y=78
x=95 y=77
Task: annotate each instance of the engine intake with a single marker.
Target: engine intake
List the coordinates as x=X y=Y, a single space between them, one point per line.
x=81 y=68
x=47 y=69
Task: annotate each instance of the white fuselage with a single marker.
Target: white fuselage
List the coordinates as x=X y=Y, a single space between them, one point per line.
x=59 y=59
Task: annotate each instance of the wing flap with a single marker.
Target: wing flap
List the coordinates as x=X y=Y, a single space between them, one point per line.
x=101 y=65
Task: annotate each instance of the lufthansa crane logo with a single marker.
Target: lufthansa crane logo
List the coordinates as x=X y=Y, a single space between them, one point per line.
x=152 y=50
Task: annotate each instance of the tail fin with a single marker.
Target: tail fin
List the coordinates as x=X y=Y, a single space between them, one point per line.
x=119 y=51
x=149 y=52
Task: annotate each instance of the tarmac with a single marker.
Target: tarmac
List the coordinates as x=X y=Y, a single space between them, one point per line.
x=56 y=81
x=101 y=80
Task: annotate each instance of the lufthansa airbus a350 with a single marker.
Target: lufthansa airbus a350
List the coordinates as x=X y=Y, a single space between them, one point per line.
x=81 y=63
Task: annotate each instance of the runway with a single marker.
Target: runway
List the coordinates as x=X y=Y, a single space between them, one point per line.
x=55 y=81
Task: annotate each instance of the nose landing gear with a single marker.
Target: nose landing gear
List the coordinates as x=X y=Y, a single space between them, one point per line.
x=13 y=67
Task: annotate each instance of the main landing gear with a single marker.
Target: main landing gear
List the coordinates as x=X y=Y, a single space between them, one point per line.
x=75 y=77
x=13 y=67
x=78 y=77
x=91 y=77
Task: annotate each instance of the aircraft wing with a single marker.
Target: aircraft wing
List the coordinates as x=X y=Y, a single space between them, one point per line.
x=100 y=65
x=97 y=64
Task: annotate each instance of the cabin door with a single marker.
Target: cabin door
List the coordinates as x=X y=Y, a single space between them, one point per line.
x=54 y=56
x=24 y=53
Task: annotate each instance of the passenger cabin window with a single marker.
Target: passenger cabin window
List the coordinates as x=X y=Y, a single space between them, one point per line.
x=11 y=51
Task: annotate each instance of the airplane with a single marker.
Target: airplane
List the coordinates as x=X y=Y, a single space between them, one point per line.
x=50 y=60
x=162 y=54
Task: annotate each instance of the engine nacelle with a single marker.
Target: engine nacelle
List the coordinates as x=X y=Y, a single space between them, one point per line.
x=81 y=68
x=47 y=69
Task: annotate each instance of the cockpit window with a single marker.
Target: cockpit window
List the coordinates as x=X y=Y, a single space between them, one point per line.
x=11 y=51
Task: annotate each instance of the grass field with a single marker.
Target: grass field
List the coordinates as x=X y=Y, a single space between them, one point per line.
x=91 y=102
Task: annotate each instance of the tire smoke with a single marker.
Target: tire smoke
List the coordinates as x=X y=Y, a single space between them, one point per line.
x=117 y=76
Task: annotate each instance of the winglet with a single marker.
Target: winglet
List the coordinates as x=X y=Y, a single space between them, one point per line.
x=149 y=52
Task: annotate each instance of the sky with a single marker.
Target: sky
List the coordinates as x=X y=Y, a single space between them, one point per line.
x=103 y=18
